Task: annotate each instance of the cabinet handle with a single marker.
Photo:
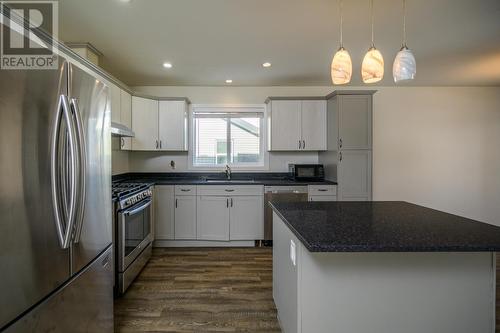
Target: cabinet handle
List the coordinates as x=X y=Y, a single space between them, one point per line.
x=322 y=190
x=160 y=144
x=156 y=144
x=175 y=203
x=340 y=142
x=231 y=202
x=185 y=189
x=340 y=156
x=300 y=144
x=229 y=190
x=303 y=144
x=227 y=202
x=122 y=141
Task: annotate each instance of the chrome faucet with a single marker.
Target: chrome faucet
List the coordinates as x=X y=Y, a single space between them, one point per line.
x=228 y=172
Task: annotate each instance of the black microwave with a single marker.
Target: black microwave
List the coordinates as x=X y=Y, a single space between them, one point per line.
x=307 y=172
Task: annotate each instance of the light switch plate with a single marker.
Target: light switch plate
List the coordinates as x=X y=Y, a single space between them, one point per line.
x=293 y=253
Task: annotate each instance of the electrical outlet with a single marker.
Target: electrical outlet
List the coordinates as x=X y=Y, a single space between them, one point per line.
x=293 y=253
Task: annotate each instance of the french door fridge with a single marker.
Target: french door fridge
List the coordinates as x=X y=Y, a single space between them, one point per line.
x=55 y=202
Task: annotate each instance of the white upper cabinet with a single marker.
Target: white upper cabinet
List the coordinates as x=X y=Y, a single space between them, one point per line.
x=285 y=125
x=314 y=125
x=115 y=103
x=355 y=122
x=159 y=125
x=297 y=125
x=126 y=117
x=172 y=125
x=145 y=123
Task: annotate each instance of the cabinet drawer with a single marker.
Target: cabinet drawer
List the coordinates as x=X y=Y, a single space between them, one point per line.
x=230 y=190
x=322 y=189
x=322 y=198
x=185 y=189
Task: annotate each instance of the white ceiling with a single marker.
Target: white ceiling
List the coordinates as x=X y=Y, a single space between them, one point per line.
x=455 y=42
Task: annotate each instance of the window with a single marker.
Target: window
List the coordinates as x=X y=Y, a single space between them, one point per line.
x=228 y=135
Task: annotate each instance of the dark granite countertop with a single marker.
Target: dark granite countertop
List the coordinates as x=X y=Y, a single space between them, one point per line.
x=195 y=178
x=384 y=226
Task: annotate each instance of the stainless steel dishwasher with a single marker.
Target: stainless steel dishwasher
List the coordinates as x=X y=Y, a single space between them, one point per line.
x=279 y=193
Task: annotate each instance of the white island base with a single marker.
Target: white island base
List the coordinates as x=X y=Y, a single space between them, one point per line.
x=376 y=292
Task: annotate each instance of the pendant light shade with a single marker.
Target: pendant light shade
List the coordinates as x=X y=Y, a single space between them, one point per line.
x=341 y=68
x=405 y=66
x=372 y=68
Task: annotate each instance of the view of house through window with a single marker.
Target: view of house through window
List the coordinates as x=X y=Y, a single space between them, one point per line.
x=232 y=138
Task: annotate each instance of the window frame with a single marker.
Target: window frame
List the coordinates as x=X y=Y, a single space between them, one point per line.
x=229 y=108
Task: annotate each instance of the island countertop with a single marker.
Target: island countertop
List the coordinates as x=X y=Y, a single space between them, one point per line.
x=384 y=226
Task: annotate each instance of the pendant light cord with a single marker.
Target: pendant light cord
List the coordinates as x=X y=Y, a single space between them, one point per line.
x=371 y=10
x=404 y=23
x=341 y=25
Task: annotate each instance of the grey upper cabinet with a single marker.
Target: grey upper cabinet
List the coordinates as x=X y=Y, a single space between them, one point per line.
x=355 y=121
x=349 y=156
x=126 y=117
x=145 y=123
x=297 y=125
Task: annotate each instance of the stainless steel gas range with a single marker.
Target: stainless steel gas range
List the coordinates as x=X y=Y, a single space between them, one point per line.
x=132 y=232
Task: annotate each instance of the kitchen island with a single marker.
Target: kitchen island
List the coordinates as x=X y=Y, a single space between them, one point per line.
x=382 y=267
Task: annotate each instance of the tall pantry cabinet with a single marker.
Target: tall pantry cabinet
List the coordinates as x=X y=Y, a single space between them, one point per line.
x=348 y=159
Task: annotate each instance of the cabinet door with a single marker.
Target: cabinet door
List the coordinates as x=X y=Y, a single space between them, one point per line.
x=285 y=125
x=354 y=175
x=185 y=217
x=164 y=212
x=115 y=104
x=313 y=125
x=172 y=125
x=126 y=117
x=246 y=217
x=212 y=218
x=144 y=123
x=355 y=121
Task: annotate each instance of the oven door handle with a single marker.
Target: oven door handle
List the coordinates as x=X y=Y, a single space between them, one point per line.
x=136 y=210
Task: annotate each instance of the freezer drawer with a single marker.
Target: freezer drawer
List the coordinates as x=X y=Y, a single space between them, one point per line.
x=84 y=304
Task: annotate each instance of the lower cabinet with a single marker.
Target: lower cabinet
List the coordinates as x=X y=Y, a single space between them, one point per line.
x=246 y=218
x=212 y=218
x=185 y=217
x=224 y=218
x=164 y=212
x=354 y=174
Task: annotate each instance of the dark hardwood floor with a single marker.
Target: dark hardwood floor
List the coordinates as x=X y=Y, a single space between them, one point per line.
x=208 y=290
x=201 y=290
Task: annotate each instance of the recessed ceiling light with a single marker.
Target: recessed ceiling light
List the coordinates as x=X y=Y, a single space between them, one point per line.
x=266 y=64
x=167 y=65
x=229 y=81
x=125 y=0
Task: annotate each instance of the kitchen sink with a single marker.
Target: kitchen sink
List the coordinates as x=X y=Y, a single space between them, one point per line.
x=230 y=181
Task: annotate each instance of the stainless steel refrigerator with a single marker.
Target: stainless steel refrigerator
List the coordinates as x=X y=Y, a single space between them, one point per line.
x=56 y=267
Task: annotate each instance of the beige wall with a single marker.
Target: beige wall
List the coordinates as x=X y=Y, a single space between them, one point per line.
x=435 y=146
x=439 y=147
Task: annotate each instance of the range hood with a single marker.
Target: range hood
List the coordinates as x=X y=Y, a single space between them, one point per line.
x=121 y=130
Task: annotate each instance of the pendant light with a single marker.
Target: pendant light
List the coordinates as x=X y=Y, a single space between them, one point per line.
x=341 y=68
x=405 y=66
x=372 y=68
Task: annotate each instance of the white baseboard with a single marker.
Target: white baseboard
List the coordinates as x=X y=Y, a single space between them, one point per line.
x=201 y=243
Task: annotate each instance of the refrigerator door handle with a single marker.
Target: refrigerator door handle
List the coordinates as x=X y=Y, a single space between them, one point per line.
x=63 y=111
x=82 y=149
